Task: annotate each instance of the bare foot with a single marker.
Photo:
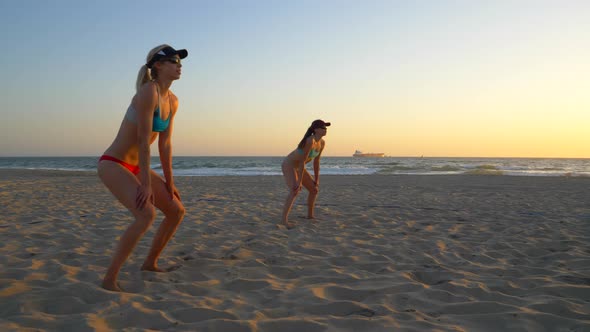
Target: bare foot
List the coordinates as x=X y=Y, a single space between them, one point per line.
x=307 y=217
x=153 y=268
x=288 y=225
x=111 y=285
x=312 y=219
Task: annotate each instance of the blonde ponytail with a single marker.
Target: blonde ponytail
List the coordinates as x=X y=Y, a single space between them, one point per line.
x=146 y=74
x=142 y=77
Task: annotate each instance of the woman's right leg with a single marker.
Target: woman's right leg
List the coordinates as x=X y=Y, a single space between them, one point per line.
x=123 y=184
x=309 y=184
x=290 y=174
x=173 y=213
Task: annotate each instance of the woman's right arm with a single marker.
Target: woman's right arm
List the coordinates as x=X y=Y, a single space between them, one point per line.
x=145 y=104
x=306 y=149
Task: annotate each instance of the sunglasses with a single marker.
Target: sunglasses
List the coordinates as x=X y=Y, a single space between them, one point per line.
x=172 y=60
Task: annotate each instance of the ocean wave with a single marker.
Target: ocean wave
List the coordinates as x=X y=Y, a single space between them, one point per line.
x=552 y=169
x=393 y=169
x=446 y=168
x=487 y=167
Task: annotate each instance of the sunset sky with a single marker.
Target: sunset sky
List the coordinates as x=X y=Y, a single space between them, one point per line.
x=406 y=78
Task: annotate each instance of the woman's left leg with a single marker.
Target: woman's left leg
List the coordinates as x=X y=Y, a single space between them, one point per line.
x=290 y=175
x=173 y=210
x=309 y=184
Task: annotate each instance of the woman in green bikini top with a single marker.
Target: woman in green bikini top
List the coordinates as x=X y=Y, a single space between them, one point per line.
x=310 y=148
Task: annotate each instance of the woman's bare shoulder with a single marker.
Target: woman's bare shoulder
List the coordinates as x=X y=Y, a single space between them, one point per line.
x=146 y=97
x=174 y=99
x=149 y=89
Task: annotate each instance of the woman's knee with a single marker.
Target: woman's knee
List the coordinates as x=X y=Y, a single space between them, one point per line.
x=177 y=212
x=314 y=189
x=293 y=193
x=144 y=218
x=146 y=215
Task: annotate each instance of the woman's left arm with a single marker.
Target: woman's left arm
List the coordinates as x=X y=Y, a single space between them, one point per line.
x=316 y=166
x=165 y=148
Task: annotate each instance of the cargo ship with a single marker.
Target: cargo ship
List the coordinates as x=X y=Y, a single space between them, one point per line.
x=358 y=153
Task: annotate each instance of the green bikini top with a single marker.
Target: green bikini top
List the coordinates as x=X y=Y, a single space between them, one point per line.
x=158 y=125
x=312 y=153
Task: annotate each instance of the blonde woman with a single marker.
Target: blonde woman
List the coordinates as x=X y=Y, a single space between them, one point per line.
x=124 y=167
x=310 y=148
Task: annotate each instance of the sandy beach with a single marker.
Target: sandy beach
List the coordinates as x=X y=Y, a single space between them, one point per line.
x=389 y=253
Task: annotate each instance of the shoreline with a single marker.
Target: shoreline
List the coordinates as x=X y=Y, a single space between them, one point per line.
x=9 y=172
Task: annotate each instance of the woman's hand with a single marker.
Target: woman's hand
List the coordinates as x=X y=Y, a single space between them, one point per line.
x=144 y=194
x=173 y=191
x=297 y=188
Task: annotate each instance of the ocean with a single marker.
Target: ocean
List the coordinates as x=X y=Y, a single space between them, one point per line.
x=247 y=166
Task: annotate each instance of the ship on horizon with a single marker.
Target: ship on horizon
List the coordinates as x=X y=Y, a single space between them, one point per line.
x=361 y=154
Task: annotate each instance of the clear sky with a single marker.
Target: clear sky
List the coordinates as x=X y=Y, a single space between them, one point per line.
x=407 y=78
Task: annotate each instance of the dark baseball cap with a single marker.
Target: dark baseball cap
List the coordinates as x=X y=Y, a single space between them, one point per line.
x=319 y=124
x=166 y=52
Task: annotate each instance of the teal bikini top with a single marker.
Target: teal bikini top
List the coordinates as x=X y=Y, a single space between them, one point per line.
x=158 y=125
x=312 y=153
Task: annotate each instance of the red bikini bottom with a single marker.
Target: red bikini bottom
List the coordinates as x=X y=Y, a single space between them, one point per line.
x=132 y=168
